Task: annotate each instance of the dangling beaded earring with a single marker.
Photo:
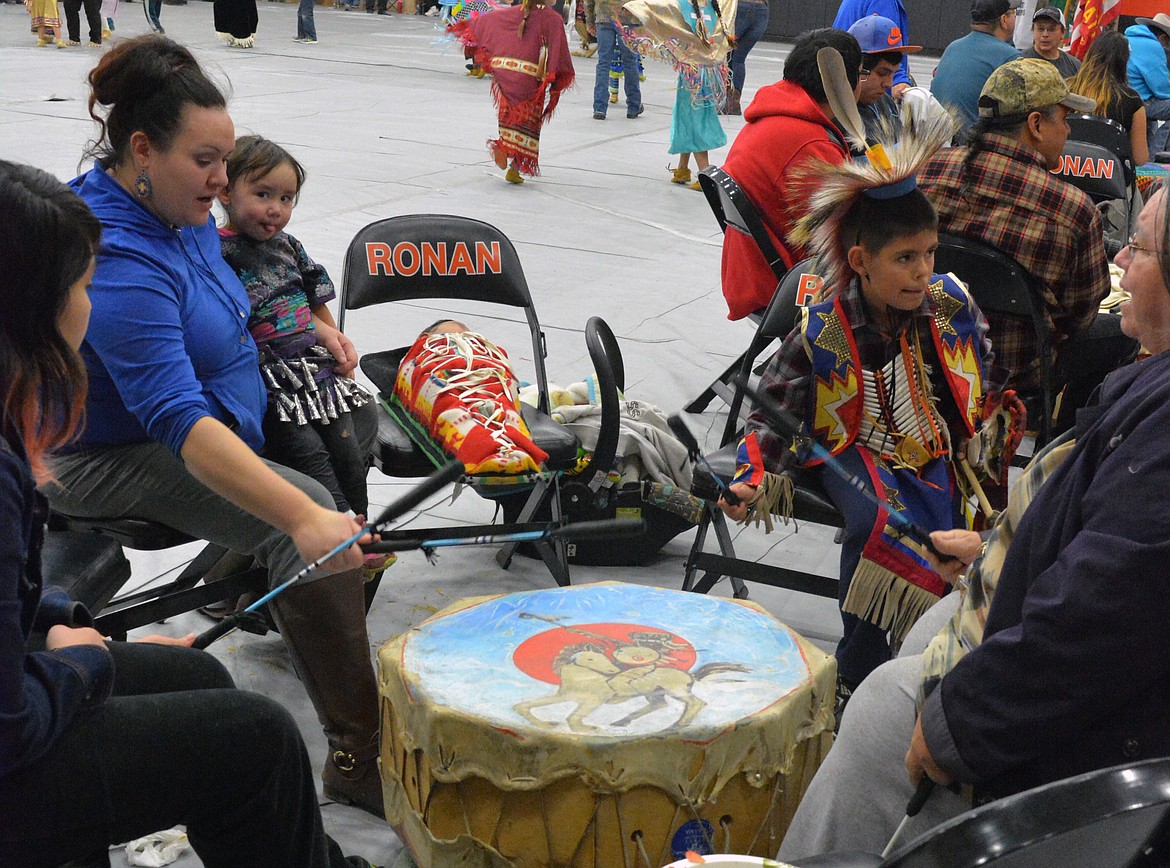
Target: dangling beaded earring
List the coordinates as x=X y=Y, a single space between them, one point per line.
x=142 y=188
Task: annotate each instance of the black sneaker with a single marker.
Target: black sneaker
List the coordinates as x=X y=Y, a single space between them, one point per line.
x=599 y=116
x=633 y=113
x=844 y=694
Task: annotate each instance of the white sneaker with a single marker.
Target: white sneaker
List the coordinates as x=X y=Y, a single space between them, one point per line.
x=304 y=40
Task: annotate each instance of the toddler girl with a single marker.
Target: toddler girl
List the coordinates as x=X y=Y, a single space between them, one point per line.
x=308 y=425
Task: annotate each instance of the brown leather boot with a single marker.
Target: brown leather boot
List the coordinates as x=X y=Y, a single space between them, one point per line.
x=323 y=625
x=732 y=106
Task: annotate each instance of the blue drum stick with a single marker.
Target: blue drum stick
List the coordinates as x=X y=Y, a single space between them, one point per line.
x=790 y=426
x=683 y=433
x=608 y=528
x=433 y=484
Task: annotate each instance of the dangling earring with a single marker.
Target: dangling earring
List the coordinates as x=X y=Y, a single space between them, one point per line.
x=142 y=188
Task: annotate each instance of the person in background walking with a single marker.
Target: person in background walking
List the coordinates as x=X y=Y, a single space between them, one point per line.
x=93 y=17
x=751 y=21
x=306 y=27
x=151 y=9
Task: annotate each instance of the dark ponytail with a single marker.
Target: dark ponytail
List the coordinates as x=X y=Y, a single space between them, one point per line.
x=144 y=84
x=48 y=238
x=976 y=142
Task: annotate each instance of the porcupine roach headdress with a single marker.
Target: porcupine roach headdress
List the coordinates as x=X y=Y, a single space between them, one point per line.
x=888 y=171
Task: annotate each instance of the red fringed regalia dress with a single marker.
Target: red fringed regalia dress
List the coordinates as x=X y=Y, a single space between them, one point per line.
x=529 y=72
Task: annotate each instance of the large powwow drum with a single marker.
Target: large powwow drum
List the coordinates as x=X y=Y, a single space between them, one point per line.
x=599 y=725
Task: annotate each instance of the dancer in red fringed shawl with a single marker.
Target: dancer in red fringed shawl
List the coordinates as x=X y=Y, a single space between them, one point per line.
x=525 y=50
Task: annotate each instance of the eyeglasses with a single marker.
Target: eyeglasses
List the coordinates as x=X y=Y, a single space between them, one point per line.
x=862 y=74
x=1133 y=245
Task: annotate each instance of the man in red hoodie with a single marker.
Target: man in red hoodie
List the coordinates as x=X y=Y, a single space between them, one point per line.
x=787 y=124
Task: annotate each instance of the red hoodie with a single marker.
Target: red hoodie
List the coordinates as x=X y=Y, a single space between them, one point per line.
x=784 y=129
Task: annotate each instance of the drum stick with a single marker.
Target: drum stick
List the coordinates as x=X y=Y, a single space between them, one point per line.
x=432 y=485
x=789 y=425
x=921 y=794
x=683 y=433
x=615 y=527
x=980 y=494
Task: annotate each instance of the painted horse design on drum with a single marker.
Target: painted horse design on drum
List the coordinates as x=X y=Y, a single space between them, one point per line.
x=589 y=679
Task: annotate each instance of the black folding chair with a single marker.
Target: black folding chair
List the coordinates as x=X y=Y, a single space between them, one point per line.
x=585 y=495
x=1110 y=818
x=448 y=257
x=735 y=212
x=1001 y=286
x=93 y=568
x=1098 y=159
x=810 y=501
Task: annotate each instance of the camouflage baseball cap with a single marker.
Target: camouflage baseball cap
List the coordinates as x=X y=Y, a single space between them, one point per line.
x=1020 y=87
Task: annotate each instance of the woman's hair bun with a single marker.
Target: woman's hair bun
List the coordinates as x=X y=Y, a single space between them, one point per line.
x=144 y=84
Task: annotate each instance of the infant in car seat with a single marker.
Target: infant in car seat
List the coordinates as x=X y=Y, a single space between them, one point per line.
x=462 y=389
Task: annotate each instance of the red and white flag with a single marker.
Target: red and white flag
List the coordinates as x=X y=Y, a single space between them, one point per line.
x=1092 y=17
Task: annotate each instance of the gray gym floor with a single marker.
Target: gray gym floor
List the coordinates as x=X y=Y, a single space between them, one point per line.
x=385 y=122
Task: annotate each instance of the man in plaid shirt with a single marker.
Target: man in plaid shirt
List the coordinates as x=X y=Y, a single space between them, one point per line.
x=999 y=191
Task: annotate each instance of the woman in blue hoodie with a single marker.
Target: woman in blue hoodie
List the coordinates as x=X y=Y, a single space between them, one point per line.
x=173 y=418
x=1149 y=75
x=102 y=741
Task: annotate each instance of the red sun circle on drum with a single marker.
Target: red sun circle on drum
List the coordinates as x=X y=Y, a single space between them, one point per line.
x=627 y=645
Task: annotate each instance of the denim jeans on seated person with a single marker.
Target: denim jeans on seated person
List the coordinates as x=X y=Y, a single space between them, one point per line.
x=1157 y=111
x=609 y=41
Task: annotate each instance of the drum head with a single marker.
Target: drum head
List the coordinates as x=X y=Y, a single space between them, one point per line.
x=1096 y=820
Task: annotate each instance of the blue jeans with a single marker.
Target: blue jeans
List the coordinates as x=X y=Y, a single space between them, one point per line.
x=1156 y=136
x=152 y=9
x=609 y=42
x=306 y=28
x=751 y=20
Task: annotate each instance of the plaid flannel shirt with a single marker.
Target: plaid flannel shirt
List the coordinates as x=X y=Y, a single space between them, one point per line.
x=1049 y=227
x=786 y=378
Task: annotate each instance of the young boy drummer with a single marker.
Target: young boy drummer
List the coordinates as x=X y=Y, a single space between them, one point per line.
x=888 y=373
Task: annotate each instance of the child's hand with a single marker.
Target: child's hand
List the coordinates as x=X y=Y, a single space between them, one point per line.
x=340 y=346
x=746 y=494
x=962 y=545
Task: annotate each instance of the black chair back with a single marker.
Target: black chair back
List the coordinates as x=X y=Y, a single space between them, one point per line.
x=733 y=208
x=1106 y=133
x=1113 y=817
x=798 y=288
x=1096 y=170
x=432 y=256
x=439 y=256
x=1000 y=285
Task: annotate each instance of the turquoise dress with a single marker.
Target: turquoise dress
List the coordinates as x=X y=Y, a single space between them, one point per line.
x=694 y=122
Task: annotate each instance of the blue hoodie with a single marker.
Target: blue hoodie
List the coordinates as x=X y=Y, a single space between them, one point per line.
x=852 y=11
x=168 y=341
x=1147 y=71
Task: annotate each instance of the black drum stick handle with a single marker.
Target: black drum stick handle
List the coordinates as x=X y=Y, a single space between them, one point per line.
x=921 y=794
x=613 y=527
x=729 y=496
x=205 y=638
x=432 y=485
x=384 y=546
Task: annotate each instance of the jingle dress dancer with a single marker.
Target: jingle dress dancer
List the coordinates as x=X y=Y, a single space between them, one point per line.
x=525 y=50
x=689 y=35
